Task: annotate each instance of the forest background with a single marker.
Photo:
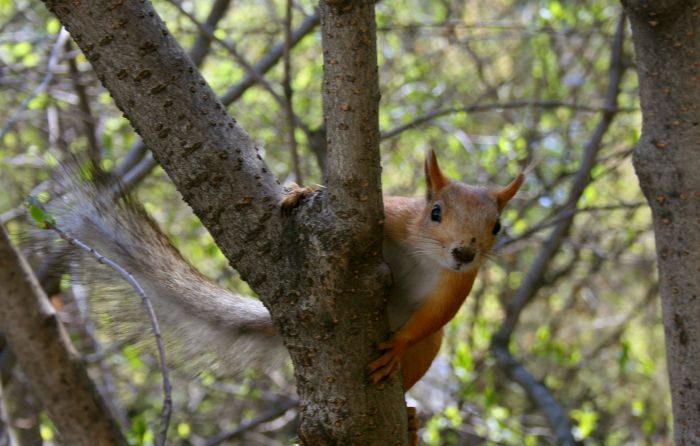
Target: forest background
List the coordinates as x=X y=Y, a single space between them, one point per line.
x=491 y=86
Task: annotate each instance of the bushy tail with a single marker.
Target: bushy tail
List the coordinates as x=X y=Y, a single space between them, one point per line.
x=203 y=324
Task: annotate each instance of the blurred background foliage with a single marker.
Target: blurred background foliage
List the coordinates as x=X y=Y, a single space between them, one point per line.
x=491 y=86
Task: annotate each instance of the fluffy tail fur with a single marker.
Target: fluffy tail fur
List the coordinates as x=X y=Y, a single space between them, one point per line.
x=203 y=324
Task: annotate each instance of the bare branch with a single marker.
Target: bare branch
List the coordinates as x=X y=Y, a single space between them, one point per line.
x=482 y=107
x=202 y=45
x=582 y=178
x=287 y=84
x=269 y=60
x=94 y=148
x=126 y=275
x=267 y=416
x=561 y=216
x=231 y=48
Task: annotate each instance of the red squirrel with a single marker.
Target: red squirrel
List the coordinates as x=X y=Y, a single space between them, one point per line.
x=434 y=247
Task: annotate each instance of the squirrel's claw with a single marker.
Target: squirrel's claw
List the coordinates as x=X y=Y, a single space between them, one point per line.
x=388 y=362
x=383 y=367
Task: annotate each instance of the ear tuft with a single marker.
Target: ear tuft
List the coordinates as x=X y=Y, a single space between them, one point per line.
x=434 y=179
x=504 y=195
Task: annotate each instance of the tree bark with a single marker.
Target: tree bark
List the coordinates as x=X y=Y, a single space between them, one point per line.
x=43 y=350
x=667 y=162
x=319 y=271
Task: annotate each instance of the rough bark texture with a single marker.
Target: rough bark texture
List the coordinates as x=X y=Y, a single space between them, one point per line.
x=667 y=161
x=48 y=358
x=319 y=270
x=350 y=280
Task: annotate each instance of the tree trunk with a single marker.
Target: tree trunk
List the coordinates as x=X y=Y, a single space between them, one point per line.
x=667 y=161
x=320 y=270
x=44 y=352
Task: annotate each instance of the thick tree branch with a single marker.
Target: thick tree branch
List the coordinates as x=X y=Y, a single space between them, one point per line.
x=43 y=350
x=337 y=234
x=667 y=161
x=351 y=107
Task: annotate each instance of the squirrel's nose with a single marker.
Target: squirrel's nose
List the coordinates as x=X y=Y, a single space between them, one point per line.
x=463 y=254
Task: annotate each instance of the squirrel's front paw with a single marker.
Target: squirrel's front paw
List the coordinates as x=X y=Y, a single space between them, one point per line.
x=295 y=194
x=389 y=361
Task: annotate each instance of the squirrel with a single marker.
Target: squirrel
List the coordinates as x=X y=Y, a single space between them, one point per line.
x=434 y=247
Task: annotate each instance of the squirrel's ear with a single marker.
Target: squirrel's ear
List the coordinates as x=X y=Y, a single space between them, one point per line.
x=504 y=195
x=434 y=179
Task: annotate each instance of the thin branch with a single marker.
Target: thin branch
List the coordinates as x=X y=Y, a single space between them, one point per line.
x=561 y=216
x=94 y=148
x=50 y=71
x=167 y=390
x=269 y=60
x=231 y=50
x=482 y=107
x=288 y=92
x=244 y=427
x=202 y=45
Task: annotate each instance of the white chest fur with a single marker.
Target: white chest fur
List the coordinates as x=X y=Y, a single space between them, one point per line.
x=415 y=276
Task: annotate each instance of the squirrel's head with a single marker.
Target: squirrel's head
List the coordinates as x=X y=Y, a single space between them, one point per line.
x=459 y=223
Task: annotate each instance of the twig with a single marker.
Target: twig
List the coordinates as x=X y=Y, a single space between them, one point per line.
x=269 y=60
x=231 y=50
x=264 y=417
x=50 y=68
x=167 y=398
x=288 y=92
x=481 y=107
x=200 y=48
x=582 y=178
x=94 y=148
x=561 y=216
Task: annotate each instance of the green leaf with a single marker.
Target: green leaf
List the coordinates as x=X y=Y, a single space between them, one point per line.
x=38 y=212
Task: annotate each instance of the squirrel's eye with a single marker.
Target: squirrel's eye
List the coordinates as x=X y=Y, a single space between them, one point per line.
x=496 y=227
x=436 y=213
